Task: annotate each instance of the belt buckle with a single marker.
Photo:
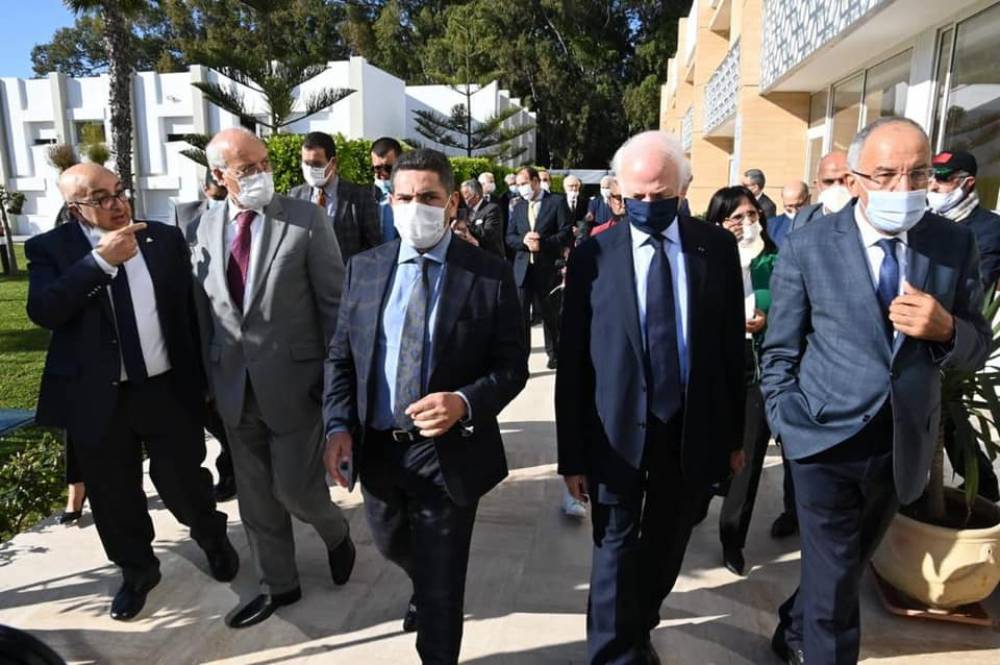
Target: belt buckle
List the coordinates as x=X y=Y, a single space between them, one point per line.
x=403 y=436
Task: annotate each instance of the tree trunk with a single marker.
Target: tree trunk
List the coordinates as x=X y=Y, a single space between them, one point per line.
x=116 y=43
x=8 y=239
x=936 y=509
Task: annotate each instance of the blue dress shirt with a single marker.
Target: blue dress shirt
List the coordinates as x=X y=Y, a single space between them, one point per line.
x=391 y=329
x=642 y=256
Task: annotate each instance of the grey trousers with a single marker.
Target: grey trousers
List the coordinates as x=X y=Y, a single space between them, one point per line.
x=279 y=475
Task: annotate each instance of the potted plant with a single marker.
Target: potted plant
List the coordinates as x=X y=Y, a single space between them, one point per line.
x=943 y=551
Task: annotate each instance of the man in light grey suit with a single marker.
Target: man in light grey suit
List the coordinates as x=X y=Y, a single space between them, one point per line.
x=867 y=308
x=271 y=277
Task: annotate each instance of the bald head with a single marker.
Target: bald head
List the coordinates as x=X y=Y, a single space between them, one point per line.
x=794 y=195
x=651 y=165
x=78 y=182
x=87 y=189
x=832 y=170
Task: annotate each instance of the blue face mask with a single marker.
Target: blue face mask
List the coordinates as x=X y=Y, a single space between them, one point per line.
x=651 y=216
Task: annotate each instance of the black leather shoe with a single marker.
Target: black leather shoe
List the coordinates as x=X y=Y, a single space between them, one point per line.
x=130 y=600
x=342 y=561
x=732 y=558
x=226 y=489
x=788 y=654
x=410 y=620
x=70 y=516
x=649 y=655
x=553 y=363
x=784 y=526
x=223 y=561
x=261 y=608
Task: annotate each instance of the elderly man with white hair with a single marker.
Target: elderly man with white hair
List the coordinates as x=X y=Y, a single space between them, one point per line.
x=649 y=391
x=599 y=207
x=577 y=205
x=270 y=273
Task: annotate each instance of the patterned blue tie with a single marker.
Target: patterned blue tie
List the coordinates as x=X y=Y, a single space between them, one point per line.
x=661 y=335
x=888 y=279
x=409 y=369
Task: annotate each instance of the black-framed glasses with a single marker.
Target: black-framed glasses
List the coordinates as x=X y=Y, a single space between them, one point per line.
x=382 y=169
x=886 y=179
x=108 y=202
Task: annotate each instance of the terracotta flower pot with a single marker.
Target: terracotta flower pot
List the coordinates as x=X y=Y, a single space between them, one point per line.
x=940 y=567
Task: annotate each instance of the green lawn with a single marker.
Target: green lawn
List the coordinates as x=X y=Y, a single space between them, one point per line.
x=22 y=343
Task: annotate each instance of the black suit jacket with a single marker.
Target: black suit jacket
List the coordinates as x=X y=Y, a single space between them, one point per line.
x=486 y=224
x=480 y=349
x=986 y=225
x=67 y=295
x=356 y=224
x=767 y=205
x=601 y=385
x=552 y=224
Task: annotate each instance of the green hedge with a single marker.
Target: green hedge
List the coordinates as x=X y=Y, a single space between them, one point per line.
x=31 y=479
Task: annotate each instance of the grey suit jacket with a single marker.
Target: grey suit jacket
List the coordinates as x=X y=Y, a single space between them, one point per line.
x=187 y=215
x=828 y=364
x=280 y=339
x=356 y=223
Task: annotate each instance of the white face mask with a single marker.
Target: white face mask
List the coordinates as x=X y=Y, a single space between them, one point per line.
x=942 y=202
x=419 y=225
x=546 y=186
x=895 y=212
x=526 y=191
x=315 y=176
x=384 y=186
x=835 y=198
x=256 y=190
x=751 y=232
x=605 y=192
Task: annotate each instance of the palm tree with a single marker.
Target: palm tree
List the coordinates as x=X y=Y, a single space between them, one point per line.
x=115 y=15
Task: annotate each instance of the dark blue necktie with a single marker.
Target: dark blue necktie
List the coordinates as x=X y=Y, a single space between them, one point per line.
x=888 y=278
x=128 y=330
x=661 y=335
x=409 y=369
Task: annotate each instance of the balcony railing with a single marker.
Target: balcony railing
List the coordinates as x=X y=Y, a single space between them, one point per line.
x=691 y=33
x=722 y=90
x=687 y=129
x=795 y=29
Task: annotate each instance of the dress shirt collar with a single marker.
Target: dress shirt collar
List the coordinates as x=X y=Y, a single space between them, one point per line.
x=331 y=186
x=438 y=252
x=232 y=212
x=639 y=238
x=869 y=234
x=92 y=233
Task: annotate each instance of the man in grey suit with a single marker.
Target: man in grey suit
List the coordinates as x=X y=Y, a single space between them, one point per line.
x=271 y=277
x=350 y=207
x=866 y=310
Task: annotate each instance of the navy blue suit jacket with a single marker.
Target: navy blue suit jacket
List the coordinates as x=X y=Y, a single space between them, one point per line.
x=986 y=225
x=553 y=224
x=67 y=295
x=480 y=349
x=828 y=365
x=601 y=385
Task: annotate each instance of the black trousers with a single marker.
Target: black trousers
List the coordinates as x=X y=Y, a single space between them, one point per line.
x=148 y=414
x=846 y=499
x=538 y=284
x=215 y=427
x=639 y=544
x=737 y=508
x=417 y=526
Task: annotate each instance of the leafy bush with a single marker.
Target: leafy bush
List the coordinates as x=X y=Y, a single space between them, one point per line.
x=92 y=142
x=285 y=153
x=354 y=162
x=31 y=483
x=62 y=156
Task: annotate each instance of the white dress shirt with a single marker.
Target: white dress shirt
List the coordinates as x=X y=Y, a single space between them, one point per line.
x=147 y=317
x=255 y=228
x=869 y=239
x=642 y=257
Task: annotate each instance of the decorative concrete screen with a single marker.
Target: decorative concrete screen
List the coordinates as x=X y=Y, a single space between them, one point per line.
x=722 y=90
x=687 y=129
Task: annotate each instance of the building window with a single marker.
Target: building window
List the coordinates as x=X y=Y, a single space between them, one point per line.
x=817 y=109
x=969 y=85
x=847 y=97
x=885 y=88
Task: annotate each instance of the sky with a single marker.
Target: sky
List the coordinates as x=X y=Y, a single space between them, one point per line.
x=28 y=22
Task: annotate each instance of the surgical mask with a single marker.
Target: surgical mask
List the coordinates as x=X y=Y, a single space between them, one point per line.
x=895 y=212
x=605 y=192
x=651 y=216
x=835 y=198
x=526 y=192
x=384 y=186
x=215 y=203
x=314 y=175
x=751 y=232
x=546 y=186
x=942 y=202
x=256 y=190
x=489 y=187
x=419 y=225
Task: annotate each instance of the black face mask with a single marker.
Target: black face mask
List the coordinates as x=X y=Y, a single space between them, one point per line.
x=651 y=216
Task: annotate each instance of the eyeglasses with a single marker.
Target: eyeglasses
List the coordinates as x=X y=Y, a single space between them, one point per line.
x=751 y=215
x=886 y=179
x=264 y=166
x=382 y=169
x=108 y=202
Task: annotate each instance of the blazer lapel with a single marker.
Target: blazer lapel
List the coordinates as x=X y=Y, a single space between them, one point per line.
x=457 y=282
x=696 y=262
x=918 y=266
x=343 y=201
x=376 y=281
x=80 y=247
x=212 y=242
x=623 y=276
x=857 y=271
x=272 y=232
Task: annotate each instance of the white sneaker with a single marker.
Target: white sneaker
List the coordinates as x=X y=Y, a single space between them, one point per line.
x=572 y=507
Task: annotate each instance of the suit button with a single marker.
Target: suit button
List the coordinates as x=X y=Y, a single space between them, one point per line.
x=866 y=417
x=821 y=419
x=643 y=389
x=892 y=374
x=114 y=341
x=642 y=425
x=114 y=383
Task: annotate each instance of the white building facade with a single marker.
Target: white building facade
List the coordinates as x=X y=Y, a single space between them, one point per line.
x=37 y=113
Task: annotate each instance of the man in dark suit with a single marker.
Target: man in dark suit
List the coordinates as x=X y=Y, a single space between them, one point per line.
x=754 y=180
x=598 y=207
x=123 y=373
x=413 y=407
x=866 y=310
x=385 y=151
x=538 y=233
x=577 y=206
x=484 y=220
x=186 y=218
x=794 y=195
x=649 y=422
x=350 y=207
x=831 y=190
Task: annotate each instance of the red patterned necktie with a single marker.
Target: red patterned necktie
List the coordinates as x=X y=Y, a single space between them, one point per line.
x=321 y=199
x=239 y=257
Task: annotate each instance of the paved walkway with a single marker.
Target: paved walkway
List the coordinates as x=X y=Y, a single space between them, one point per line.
x=525 y=599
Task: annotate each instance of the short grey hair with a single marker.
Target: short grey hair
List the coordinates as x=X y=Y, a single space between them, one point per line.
x=486 y=175
x=756 y=176
x=570 y=179
x=473 y=186
x=667 y=145
x=215 y=149
x=858 y=143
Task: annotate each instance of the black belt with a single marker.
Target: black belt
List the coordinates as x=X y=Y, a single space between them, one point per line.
x=402 y=436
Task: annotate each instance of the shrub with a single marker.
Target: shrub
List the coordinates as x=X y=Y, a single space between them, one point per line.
x=62 y=156
x=31 y=483
x=285 y=153
x=92 y=142
x=354 y=160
